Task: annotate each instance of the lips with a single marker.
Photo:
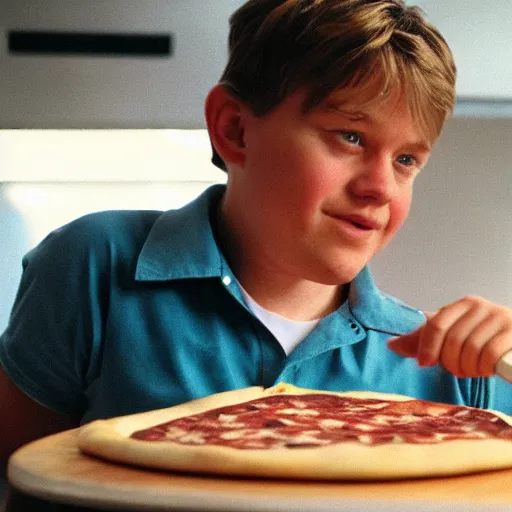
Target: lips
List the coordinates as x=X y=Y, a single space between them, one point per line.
x=360 y=221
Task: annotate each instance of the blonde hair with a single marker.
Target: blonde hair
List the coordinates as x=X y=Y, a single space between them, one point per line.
x=277 y=47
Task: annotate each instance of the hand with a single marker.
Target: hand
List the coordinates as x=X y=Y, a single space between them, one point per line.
x=467 y=337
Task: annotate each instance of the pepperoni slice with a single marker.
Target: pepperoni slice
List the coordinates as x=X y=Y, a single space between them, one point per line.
x=313 y=420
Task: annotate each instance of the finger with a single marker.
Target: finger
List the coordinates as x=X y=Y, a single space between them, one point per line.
x=483 y=333
x=406 y=345
x=491 y=353
x=457 y=338
x=432 y=336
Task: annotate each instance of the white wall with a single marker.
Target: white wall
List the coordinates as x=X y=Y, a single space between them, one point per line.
x=39 y=91
x=458 y=239
x=480 y=36
x=102 y=92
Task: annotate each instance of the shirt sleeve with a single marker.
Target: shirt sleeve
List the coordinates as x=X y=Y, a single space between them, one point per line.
x=55 y=328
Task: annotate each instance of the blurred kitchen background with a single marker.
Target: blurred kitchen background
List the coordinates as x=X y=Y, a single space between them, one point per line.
x=121 y=126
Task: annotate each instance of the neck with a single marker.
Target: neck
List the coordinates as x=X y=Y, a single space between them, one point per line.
x=293 y=298
x=269 y=284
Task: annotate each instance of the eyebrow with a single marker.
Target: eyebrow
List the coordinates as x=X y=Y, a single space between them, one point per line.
x=357 y=115
x=419 y=146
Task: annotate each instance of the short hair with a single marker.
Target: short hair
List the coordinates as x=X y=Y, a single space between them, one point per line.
x=277 y=47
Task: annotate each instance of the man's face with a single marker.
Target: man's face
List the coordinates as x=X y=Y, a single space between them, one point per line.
x=319 y=194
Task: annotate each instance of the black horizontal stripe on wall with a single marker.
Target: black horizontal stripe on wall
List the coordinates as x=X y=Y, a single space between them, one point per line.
x=81 y=43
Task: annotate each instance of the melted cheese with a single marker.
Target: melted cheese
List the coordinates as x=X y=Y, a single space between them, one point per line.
x=288 y=422
x=227 y=418
x=229 y=421
x=193 y=438
x=364 y=426
x=299 y=404
x=384 y=419
x=299 y=412
x=174 y=433
x=331 y=423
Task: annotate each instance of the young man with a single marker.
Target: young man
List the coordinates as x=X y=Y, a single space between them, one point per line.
x=325 y=114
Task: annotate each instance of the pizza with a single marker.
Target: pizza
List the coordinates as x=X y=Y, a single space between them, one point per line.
x=291 y=432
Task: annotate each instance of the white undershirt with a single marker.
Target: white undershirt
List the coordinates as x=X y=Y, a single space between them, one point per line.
x=289 y=333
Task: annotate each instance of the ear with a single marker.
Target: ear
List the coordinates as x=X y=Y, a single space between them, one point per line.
x=225 y=121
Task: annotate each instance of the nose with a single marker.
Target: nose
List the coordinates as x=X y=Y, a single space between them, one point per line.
x=375 y=180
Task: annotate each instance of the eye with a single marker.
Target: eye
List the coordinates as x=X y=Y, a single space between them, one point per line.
x=408 y=160
x=351 y=138
x=409 y=165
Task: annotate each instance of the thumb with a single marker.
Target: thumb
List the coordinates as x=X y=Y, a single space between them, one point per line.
x=406 y=345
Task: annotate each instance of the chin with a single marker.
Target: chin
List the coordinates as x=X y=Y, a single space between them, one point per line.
x=336 y=275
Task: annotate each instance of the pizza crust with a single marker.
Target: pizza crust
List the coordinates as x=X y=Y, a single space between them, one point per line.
x=109 y=439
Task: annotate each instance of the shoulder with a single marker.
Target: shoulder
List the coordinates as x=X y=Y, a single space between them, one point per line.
x=111 y=233
x=380 y=311
x=395 y=316
x=114 y=225
x=399 y=306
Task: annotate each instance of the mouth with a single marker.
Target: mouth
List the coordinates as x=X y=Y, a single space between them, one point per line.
x=360 y=226
x=362 y=223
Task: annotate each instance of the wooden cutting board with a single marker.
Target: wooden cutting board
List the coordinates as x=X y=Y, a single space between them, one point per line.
x=54 y=469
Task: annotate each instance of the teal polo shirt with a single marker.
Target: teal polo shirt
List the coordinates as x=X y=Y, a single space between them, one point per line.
x=126 y=311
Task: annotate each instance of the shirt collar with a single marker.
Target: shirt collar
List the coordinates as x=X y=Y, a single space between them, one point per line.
x=181 y=244
x=378 y=311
